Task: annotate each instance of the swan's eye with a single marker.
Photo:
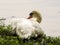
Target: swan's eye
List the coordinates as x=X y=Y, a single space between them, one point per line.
x=31 y=14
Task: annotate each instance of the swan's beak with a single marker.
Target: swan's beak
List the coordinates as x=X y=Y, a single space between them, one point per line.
x=29 y=17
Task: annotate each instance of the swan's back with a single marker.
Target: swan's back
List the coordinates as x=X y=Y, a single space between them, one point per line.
x=28 y=28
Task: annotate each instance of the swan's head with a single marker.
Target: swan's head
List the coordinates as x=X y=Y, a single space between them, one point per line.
x=36 y=16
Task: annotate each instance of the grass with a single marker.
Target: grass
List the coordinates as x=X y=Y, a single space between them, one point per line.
x=7 y=38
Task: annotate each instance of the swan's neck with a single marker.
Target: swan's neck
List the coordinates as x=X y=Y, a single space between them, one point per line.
x=34 y=18
x=38 y=19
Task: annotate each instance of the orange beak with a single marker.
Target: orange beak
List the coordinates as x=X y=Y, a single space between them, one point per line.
x=29 y=17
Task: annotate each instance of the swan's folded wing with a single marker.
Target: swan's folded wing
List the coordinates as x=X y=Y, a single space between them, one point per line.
x=38 y=29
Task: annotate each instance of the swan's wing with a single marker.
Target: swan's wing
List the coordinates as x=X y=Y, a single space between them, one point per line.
x=37 y=28
x=24 y=28
x=27 y=28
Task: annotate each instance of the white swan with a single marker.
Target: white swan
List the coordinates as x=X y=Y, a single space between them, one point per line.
x=27 y=28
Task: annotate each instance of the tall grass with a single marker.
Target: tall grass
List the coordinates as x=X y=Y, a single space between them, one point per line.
x=7 y=38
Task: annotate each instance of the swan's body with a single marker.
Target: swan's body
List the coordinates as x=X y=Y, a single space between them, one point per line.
x=26 y=28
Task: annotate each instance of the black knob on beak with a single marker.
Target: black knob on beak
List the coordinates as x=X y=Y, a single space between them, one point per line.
x=31 y=14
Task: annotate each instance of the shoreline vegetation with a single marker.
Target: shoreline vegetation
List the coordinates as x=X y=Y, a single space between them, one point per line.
x=7 y=38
